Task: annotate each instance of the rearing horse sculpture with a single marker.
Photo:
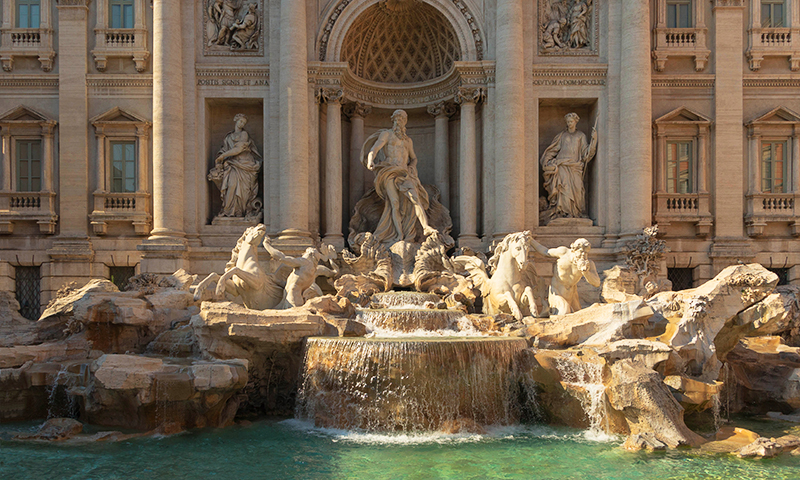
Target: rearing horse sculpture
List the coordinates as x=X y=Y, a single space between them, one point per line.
x=244 y=277
x=511 y=285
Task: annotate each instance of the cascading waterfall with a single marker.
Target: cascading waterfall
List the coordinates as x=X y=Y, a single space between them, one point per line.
x=388 y=320
x=409 y=385
x=405 y=299
x=587 y=377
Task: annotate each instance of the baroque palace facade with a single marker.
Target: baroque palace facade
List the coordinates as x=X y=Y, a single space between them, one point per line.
x=115 y=113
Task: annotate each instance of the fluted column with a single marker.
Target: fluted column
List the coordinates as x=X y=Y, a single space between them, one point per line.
x=441 y=113
x=356 y=111
x=509 y=127
x=332 y=215
x=168 y=121
x=635 y=105
x=294 y=206
x=467 y=99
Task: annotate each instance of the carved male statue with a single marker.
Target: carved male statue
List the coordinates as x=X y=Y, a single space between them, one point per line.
x=236 y=173
x=397 y=182
x=300 y=285
x=563 y=165
x=572 y=263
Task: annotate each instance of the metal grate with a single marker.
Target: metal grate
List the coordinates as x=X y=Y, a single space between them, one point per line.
x=782 y=273
x=119 y=276
x=681 y=278
x=28 y=284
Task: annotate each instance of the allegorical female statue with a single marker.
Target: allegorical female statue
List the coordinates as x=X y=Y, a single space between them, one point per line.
x=235 y=172
x=563 y=167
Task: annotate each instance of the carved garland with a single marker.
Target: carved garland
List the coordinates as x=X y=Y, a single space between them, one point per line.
x=469 y=17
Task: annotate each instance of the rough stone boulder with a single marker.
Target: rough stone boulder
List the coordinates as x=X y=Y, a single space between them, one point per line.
x=620 y=284
x=14 y=328
x=595 y=325
x=54 y=429
x=763 y=375
x=143 y=392
x=769 y=447
x=692 y=319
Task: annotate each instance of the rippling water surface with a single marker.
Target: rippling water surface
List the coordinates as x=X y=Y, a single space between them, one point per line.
x=291 y=449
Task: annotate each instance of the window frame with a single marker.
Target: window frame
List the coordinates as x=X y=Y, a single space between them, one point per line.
x=689 y=4
x=18 y=4
x=692 y=183
x=17 y=167
x=783 y=162
x=122 y=17
x=112 y=141
x=770 y=4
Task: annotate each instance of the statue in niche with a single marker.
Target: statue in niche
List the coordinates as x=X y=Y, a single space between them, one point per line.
x=564 y=25
x=563 y=167
x=572 y=264
x=235 y=173
x=390 y=154
x=230 y=24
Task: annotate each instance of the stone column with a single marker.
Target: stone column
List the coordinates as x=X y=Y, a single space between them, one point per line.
x=293 y=85
x=510 y=157
x=754 y=144
x=47 y=155
x=635 y=105
x=100 y=175
x=702 y=159
x=441 y=113
x=356 y=111
x=332 y=215
x=144 y=158
x=6 y=161
x=661 y=158
x=167 y=123
x=796 y=159
x=467 y=98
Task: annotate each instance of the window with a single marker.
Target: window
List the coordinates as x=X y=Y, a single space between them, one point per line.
x=772 y=13
x=121 y=13
x=119 y=276
x=679 y=14
x=28 y=13
x=773 y=171
x=28 y=287
x=782 y=273
x=29 y=165
x=681 y=278
x=679 y=167
x=123 y=167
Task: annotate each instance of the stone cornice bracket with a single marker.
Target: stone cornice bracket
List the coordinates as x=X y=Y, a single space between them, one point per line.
x=357 y=109
x=442 y=108
x=472 y=95
x=331 y=95
x=728 y=4
x=73 y=3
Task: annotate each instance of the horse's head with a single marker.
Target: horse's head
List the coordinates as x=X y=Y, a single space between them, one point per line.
x=254 y=235
x=517 y=245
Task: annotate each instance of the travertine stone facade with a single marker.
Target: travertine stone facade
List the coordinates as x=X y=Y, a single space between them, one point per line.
x=109 y=129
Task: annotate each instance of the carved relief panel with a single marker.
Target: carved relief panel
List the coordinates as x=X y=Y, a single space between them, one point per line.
x=233 y=27
x=568 y=27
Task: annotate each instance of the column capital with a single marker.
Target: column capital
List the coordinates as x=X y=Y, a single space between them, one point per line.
x=441 y=109
x=469 y=95
x=357 y=109
x=331 y=95
x=48 y=128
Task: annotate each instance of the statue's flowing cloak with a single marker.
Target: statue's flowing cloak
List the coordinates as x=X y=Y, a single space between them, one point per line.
x=563 y=179
x=239 y=183
x=405 y=180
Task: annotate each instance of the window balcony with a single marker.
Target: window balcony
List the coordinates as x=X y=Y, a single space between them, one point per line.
x=26 y=42
x=680 y=42
x=131 y=207
x=684 y=207
x=28 y=206
x=763 y=208
x=773 y=42
x=121 y=42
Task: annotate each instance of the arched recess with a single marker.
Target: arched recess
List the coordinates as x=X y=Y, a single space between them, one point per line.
x=343 y=13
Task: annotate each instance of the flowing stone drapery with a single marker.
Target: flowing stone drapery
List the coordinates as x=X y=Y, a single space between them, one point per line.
x=468 y=98
x=509 y=120
x=333 y=169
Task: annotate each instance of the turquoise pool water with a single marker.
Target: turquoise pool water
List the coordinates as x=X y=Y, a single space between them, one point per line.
x=290 y=449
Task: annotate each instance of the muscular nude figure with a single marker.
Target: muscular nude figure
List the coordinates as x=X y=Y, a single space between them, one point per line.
x=301 y=283
x=572 y=263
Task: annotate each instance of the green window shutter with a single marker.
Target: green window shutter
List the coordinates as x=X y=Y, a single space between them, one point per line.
x=29 y=165
x=123 y=167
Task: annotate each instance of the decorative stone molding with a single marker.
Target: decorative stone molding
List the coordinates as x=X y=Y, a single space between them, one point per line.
x=29 y=81
x=683 y=123
x=471 y=95
x=27 y=42
x=26 y=123
x=568 y=27
x=728 y=4
x=762 y=208
x=231 y=28
x=773 y=42
x=332 y=95
x=760 y=81
x=563 y=75
x=680 y=42
x=342 y=14
x=231 y=76
x=683 y=81
x=133 y=207
x=356 y=109
x=121 y=42
x=446 y=109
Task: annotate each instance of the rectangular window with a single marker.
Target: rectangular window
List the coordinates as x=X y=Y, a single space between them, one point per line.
x=681 y=278
x=121 y=13
x=120 y=276
x=773 y=13
x=28 y=287
x=123 y=167
x=28 y=13
x=679 y=14
x=773 y=162
x=782 y=273
x=29 y=165
x=679 y=167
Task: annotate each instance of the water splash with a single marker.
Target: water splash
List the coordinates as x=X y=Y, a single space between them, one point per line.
x=587 y=377
x=410 y=385
x=405 y=299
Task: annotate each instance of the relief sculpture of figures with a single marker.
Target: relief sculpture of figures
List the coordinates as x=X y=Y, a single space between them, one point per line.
x=233 y=24
x=578 y=28
x=235 y=173
x=390 y=154
x=571 y=265
x=565 y=25
x=563 y=167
